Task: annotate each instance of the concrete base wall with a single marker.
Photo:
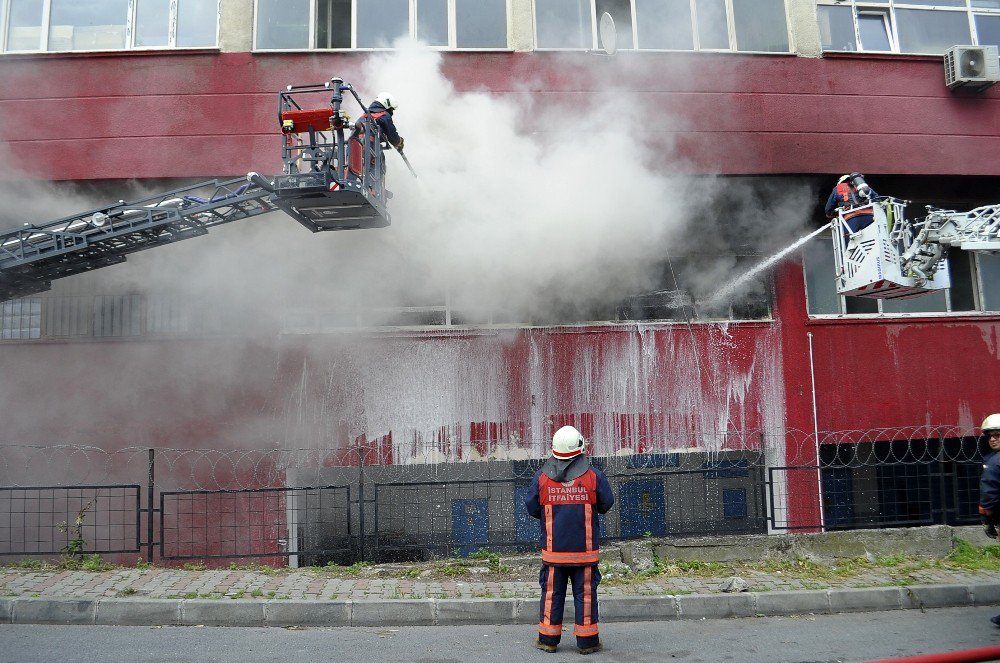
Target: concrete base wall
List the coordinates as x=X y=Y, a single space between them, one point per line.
x=934 y=541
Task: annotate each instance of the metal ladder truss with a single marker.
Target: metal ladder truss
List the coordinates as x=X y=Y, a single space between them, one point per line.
x=33 y=255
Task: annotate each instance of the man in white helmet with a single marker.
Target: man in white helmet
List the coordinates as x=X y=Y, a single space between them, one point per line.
x=380 y=112
x=989 y=482
x=567 y=494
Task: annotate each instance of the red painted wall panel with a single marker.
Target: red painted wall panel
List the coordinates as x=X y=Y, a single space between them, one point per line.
x=777 y=114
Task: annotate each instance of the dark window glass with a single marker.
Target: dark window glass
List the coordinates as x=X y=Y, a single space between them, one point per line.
x=874 y=29
x=333 y=24
x=988 y=30
x=760 y=25
x=836 y=28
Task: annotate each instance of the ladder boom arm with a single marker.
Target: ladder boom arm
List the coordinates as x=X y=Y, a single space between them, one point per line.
x=31 y=256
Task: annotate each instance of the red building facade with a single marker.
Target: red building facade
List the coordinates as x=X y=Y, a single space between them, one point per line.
x=468 y=392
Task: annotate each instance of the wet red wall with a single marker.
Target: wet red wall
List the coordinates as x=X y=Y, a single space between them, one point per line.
x=208 y=114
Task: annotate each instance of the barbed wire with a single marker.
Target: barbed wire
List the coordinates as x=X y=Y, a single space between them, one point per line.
x=384 y=461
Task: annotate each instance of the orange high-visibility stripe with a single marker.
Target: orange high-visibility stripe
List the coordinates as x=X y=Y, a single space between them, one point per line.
x=588 y=594
x=588 y=518
x=550 y=588
x=548 y=527
x=585 y=631
x=546 y=629
x=571 y=558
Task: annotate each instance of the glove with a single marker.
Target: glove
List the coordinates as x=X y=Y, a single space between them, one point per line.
x=400 y=146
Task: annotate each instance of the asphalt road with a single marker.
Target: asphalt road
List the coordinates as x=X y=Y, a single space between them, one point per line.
x=812 y=639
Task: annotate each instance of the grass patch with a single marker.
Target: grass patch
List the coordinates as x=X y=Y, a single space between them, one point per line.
x=92 y=562
x=967 y=556
x=262 y=569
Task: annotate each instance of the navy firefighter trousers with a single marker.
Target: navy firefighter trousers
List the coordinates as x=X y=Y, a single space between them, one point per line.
x=553 y=583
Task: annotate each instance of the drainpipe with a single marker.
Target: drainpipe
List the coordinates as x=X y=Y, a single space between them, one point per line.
x=819 y=475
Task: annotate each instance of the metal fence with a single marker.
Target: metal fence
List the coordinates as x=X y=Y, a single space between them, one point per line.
x=314 y=506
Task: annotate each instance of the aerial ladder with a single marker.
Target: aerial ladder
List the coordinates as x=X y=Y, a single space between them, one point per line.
x=897 y=258
x=332 y=179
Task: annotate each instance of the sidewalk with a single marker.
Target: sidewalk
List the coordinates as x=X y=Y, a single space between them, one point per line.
x=460 y=592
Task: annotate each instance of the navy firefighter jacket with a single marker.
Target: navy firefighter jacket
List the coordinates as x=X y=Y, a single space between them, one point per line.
x=383 y=118
x=989 y=483
x=567 y=495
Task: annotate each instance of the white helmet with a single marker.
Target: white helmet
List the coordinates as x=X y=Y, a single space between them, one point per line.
x=567 y=443
x=388 y=100
x=991 y=423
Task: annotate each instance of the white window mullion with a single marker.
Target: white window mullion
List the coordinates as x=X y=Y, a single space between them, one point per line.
x=635 y=26
x=695 y=33
x=891 y=29
x=46 y=15
x=313 y=12
x=354 y=23
x=453 y=25
x=413 y=19
x=4 y=24
x=130 y=23
x=731 y=26
x=172 y=24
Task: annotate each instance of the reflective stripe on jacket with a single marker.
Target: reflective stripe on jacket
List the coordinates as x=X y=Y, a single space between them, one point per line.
x=568 y=511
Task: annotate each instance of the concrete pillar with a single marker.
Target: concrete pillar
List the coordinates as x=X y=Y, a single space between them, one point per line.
x=803 y=28
x=235 y=26
x=520 y=25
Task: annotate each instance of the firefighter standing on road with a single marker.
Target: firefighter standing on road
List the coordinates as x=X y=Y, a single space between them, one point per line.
x=567 y=494
x=989 y=483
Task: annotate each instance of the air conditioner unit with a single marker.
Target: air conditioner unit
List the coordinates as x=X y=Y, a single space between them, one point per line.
x=975 y=67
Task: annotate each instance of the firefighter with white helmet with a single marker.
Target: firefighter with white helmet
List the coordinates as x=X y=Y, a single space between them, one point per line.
x=380 y=112
x=989 y=482
x=567 y=494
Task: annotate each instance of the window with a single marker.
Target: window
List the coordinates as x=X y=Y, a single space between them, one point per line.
x=312 y=24
x=21 y=318
x=108 y=25
x=988 y=29
x=874 y=30
x=907 y=26
x=726 y=25
x=975 y=286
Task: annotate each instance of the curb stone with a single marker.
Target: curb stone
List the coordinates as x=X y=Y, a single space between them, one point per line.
x=446 y=612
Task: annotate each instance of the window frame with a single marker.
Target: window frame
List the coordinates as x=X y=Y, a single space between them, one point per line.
x=412 y=25
x=889 y=7
x=977 y=284
x=695 y=36
x=131 y=18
